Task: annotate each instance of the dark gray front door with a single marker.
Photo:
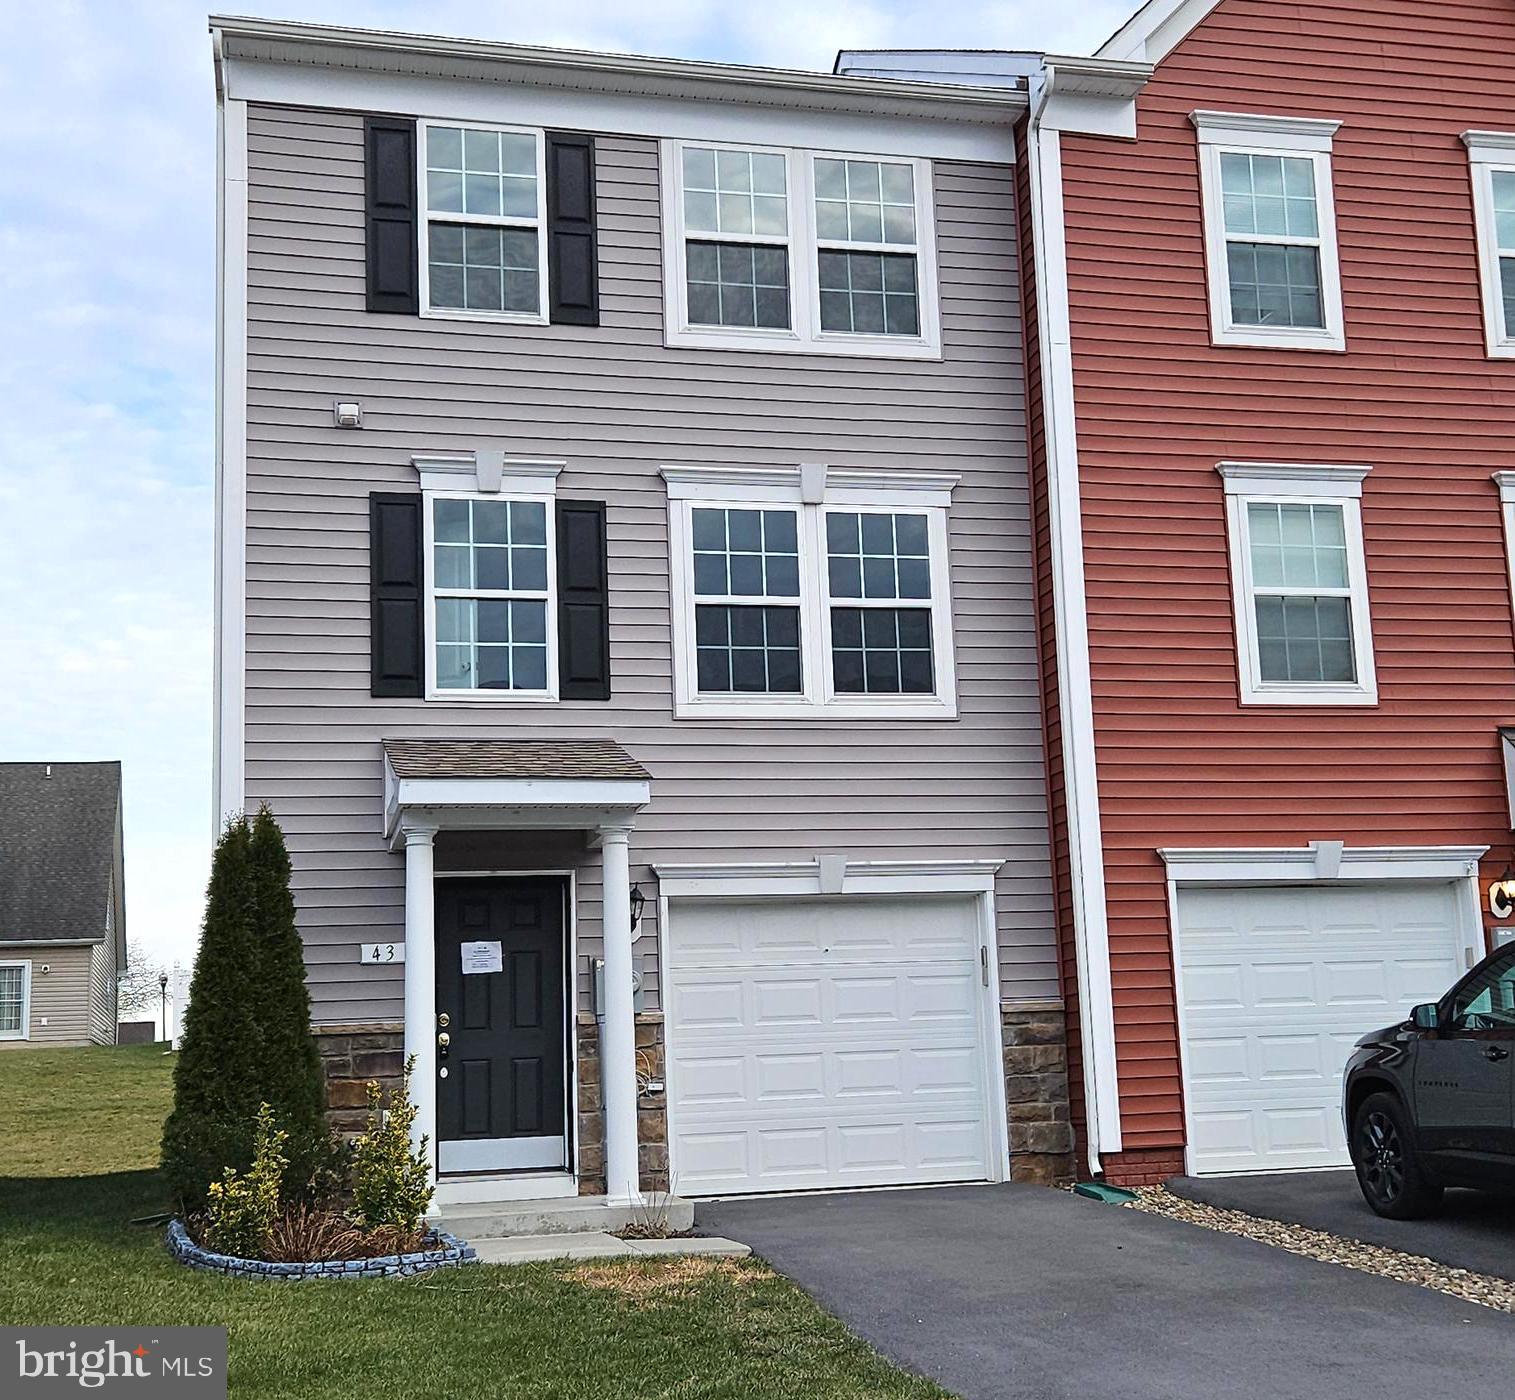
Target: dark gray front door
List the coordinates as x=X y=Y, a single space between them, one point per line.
x=501 y=1075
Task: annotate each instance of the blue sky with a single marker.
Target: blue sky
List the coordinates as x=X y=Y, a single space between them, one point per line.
x=106 y=303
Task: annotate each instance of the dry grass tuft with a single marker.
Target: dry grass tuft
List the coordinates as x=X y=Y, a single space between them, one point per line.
x=658 y=1280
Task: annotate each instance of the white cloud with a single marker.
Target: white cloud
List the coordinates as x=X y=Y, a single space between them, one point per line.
x=106 y=285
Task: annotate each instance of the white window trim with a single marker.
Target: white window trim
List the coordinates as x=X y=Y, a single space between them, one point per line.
x=447 y=313
x=1288 y=484
x=1238 y=133
x=804 y=335
x=1489 y=152
x=25 y=1033
x=464 y=478
x=810 y=491
x=1505 y=481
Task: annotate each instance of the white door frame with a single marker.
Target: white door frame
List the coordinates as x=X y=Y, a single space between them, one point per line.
x=835 y=876
x=1325 y=863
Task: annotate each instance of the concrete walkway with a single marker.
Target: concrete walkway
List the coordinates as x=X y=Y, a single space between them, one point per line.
x=528 y=1249
x=1473 y=1231
x=1023 y=1293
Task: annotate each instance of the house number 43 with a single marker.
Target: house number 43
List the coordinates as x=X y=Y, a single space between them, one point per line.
x=381 y=953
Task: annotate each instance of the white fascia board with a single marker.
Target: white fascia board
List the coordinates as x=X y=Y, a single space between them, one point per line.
x=943 y=136
x=1091 y=933
x=522 y=792
x=1156 y=29
x=228 y=785
x=1318 y=862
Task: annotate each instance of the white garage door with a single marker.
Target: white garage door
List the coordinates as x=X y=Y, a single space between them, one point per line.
x=1277 y=984
x=826 y=1043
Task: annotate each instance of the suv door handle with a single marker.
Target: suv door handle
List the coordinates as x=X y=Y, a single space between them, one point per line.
x=1495 y=1052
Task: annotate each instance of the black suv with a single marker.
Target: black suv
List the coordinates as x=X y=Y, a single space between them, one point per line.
x=1430 y=1103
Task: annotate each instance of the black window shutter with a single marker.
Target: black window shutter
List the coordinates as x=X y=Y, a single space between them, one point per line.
x=583 y=602
x=573 y=279
x=390 y=201
x=395 y=593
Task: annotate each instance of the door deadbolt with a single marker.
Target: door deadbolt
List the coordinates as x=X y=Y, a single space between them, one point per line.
x=444 y=1019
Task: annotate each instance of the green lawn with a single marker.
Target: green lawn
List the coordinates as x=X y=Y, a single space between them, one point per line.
x=78 y=1135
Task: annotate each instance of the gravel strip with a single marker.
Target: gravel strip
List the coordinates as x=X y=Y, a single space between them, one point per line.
x=1496 y=1293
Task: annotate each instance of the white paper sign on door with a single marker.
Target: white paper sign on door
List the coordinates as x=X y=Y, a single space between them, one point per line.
x=481 y=957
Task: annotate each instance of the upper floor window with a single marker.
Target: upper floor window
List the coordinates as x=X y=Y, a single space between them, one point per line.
x=777 y=249
x=826 y=602
x=1270 y=230
x=491 y=586
x=483 y=235
x=1300 y=584
x=1491 y=157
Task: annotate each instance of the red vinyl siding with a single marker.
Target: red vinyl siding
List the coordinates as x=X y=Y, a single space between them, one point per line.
x=1181 y=762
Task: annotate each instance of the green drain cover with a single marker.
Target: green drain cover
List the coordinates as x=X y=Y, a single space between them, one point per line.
x=1098 y=1191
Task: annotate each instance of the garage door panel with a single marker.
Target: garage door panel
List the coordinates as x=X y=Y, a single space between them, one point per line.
x=845 y=1050
x=1277 y=985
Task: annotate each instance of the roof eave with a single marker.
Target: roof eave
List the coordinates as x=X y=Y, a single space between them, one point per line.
x=382 y=51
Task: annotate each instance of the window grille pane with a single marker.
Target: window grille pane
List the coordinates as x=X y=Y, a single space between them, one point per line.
x=738 y=284
x=488 y=173
x=1297 y=546
x=1272 y=195
x=1305 y=640
x=869 y=293
x=1275 y=285
x=483 y=269
x=735 y=192
x=746 y=553
x=877 y=555
x=491 y=644
x=864 y=201
x=881 y=651
x=752 y=650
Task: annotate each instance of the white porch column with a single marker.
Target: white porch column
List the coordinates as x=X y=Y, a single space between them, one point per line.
x=421 y=980
x=618 y=1054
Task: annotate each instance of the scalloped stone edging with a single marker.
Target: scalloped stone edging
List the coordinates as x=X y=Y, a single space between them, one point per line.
x=451 y=1252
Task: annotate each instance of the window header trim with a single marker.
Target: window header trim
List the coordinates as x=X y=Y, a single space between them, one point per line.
x=1275 y=133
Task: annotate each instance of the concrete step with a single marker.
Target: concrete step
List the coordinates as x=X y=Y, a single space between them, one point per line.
x=573 y=1215
x=527 y=1249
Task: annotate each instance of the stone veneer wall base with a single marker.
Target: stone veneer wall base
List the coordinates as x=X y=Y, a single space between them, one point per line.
x=1036 y=1092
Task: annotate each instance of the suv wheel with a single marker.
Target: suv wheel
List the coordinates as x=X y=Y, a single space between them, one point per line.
x=1388 y=1170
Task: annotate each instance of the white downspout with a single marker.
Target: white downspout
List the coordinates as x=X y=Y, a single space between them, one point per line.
x=1091 y=940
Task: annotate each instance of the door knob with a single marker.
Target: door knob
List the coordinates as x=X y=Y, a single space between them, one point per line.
x=443 y=1041
x=1495 y=1052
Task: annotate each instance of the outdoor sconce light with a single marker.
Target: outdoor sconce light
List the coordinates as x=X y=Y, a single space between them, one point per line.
x=348 y=415
x=638 y=903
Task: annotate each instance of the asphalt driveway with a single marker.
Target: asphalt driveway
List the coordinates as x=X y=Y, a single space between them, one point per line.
x=1023 y=1293
x=1473 y=1231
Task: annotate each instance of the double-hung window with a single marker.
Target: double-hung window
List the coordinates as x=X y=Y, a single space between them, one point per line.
x=1300 y=583
x=15 y=994
x=791 y=250
x=807 y=592
x=490 y=568
x=1270 y=231
x=1491 y=158
x=483 y=235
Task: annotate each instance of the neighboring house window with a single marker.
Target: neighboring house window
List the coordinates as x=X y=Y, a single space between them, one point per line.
x=1300 y=583
x=490 y=567
x=15 y=997
x=1270 y=230
x=802 y=591
x=1491 y=158
x=779 y=249
x=483 y=235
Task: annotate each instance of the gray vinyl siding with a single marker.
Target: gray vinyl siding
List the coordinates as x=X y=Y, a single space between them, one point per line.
x=63 y=996
x=102 y=992
x=615 y=403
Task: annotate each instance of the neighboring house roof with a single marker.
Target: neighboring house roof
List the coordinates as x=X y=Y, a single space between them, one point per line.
x=60 y=849
x=511 y=758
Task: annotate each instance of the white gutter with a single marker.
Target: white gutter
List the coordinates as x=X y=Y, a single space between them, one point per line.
x=1091 y=934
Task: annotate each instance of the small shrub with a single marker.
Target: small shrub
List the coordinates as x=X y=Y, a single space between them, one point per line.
x=306 y=1235
x=240 y=1210
x=389 y=1177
